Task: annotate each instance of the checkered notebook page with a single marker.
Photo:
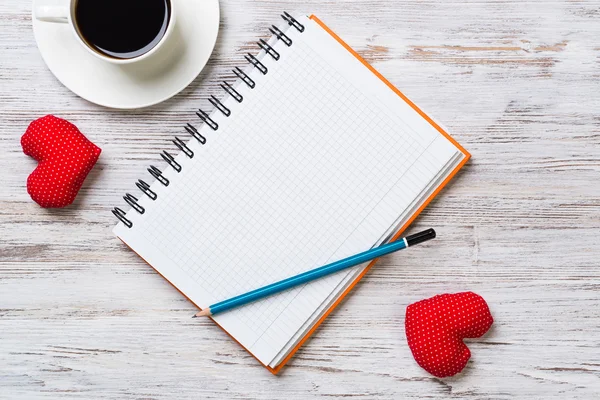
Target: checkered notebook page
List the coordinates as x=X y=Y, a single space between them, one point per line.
x=310 y=168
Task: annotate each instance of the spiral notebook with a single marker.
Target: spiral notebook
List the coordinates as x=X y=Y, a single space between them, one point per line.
x=309 y=157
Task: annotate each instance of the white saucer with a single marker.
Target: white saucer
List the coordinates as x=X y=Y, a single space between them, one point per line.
x=156 y=79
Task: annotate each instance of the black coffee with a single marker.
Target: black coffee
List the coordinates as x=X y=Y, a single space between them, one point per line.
x=122 y=28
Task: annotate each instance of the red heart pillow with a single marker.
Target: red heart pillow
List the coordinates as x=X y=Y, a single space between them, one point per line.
x=436 y=327
x=65 y=157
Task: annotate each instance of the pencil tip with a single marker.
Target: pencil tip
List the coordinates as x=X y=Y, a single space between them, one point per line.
x=204 y=313
x=195 y=316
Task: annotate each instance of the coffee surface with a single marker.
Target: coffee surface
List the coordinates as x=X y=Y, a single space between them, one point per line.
x=122 y=28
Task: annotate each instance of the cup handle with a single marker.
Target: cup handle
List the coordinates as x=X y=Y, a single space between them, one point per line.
x=52 y=13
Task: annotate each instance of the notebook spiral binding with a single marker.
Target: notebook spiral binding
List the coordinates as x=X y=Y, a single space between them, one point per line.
x=156 y=173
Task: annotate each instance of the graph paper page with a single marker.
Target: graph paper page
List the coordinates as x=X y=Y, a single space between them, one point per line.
x=316 y=164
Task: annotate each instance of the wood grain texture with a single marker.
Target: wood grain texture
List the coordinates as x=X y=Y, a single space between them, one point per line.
x=516 y=82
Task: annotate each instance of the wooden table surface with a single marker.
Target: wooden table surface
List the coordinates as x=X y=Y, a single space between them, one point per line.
x=516 y=82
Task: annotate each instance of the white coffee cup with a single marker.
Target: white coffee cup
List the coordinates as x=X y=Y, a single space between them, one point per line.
x=65 y=14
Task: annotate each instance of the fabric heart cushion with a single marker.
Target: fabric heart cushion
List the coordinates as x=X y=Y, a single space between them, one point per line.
x=436 y=327
x=65 y=157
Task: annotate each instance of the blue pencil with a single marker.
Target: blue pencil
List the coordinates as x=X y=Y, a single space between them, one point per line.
x=317 y=273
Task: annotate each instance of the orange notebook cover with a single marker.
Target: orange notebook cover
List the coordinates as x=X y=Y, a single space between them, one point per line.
x=467 y=156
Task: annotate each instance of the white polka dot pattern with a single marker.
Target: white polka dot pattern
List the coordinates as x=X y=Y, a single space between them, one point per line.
x=65 y=157
x=436 y=327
